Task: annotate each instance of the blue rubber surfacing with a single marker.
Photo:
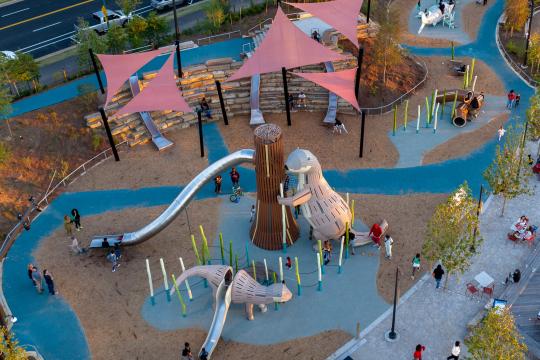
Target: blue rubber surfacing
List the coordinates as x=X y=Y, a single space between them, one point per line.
x=50 y=323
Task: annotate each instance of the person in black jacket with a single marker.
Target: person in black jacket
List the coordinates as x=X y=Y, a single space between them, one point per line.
x=438 y=274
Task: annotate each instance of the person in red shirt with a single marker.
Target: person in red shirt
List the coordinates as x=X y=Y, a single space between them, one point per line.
x=418 y=352
x=511 y=99
x=375 y=232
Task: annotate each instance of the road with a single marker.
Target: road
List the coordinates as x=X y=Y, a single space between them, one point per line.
x=40 y=27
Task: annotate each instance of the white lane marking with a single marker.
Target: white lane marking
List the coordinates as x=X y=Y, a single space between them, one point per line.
x=15 y=12
x=48 y=26
x=144 y=11
x=44 y=46
x=42 y=42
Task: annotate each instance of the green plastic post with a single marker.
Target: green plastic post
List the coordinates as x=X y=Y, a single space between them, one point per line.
x=319 y=243
x=466 y=77
x=179 y=296
x=236 y=263
x=443 y=103
x=452 y=50
x=454 y=106
x=205 y=250
x=352 y=213
x=298 y=283
x=427 y=112
x=276 y=305
x=221 y=247
x=230 y=252
x=254 y=270
x=432 y=109
x=471 y=73
x=404 y=118
x=346 y=240
x=195 y=250
x=395 y=121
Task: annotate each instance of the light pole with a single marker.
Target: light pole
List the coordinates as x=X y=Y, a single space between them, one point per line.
x=177 y=41
x=531 y=4
x=392 y=335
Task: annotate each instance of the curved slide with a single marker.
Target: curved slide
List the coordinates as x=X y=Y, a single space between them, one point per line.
x=179 y=203
x=330 y=117
x=223 y=301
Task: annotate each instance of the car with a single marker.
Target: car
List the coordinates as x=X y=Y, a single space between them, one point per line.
x=103 y=23
x=9 y=55
x=168 y=4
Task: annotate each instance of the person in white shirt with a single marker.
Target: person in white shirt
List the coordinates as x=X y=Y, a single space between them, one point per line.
x=456 y=350
x=501 y=132
x=302 y=99
x=388 y=241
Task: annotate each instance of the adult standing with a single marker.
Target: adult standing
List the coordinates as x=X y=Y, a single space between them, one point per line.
x=417 y=355
x=511 y=99
x=36 y=276
x=113 y=259
x=67 y=225
x=415 y=265
x=29 y=270
x=186 y=352
x=438 y=274
x=456 y=350
x=217 y=184
x=76 y=219
x=235 y=177
x=375 y=232
x=49 y=281
x=388 y=242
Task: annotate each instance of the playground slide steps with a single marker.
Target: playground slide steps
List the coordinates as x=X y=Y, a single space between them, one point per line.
x=330 y=117
x=159 y=140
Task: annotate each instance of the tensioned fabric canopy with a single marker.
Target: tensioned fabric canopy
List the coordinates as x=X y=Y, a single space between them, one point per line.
x=118 y=68
x=284 y=46
x=160 y=94
x=342 y=15
x=340 y=83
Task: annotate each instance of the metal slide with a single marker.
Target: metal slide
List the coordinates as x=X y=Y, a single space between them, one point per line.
x=330 y=117
x=223 y=301
x=159 y=140
x=256 y=113
x=179 y=203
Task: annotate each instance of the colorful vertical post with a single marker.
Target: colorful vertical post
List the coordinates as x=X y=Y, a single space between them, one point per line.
x=405 y=115
x=254 y=269
x=471 y=72
x=280 y=269
x=435 y=122
x=427 y=112
x=179 y=295
x=247 y=254
x=346 y=240
x=266 y=272
x=165 y=280
x=276 y=304
x=394 y=127
x=188 y=288
x=433 y=101
x=206 y=250
x=418 y=120
x=443 y=103
x=150 y=281
x=195 y=250
x=298 y=276
x=454 y=106
x=283 y=221
x=221 y=248
x=230 y=253
x=236 y=263
x=352 y=213
x=474 y=83
x=319 y=242
x=340 y=254
x=319 y=273
x=452 y=45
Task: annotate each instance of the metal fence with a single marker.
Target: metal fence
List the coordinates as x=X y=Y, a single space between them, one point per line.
x=213 y=38
x=36 y=207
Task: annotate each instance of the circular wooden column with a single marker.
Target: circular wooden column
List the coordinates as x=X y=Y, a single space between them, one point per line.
x=267 y=227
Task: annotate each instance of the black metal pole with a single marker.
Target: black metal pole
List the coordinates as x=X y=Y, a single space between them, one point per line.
x=109 y=133
x=286 y=93
x=392 y=335
x=358 y=73
x=94 y=64
x=368 y=10
x=528 y=35
x=177 y=40
x=362 y=127
x=201 y=140
x=222 y=102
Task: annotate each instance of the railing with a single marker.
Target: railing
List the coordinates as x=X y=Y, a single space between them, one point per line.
x=517 y=67
x=260 y=25
x=227 y=35
x=138 y=49
x=37 y=206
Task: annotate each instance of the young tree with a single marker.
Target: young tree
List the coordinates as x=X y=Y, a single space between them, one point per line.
x=21 y=68
x=496 y=337
x=116 y=39
x=136 y=30
x=517 y=13
x=450 y=236
x=5 y=102
x=533 y=117
x=386 y=52
x=215 y=12
x=9 y=346
x=88 y=39
x=504 y=174
x=156 y=29
x=127 y=6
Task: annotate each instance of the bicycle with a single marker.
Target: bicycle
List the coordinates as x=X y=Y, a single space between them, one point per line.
x=237 y=193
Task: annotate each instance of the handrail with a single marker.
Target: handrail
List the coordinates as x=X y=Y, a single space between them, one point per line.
x=260 y=25
x=212 y=37
x=11 y=235
x=524 y=75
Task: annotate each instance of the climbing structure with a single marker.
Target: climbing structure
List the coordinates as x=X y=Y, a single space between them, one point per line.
x=267 y=229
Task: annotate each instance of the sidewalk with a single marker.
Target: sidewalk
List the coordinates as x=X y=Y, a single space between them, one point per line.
x=435 y=317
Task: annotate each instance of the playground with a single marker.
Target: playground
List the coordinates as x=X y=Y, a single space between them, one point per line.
x=197 y=267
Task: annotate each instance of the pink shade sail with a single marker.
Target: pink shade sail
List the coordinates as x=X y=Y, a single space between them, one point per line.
x=340 y=83
x=160 y=94
x=118 y=68
x=342 y=15
x=287 y=46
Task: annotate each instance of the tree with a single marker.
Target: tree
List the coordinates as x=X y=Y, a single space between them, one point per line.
x=21 y=68
x=9 y=346
x=136 y=30
x=215 y=12
x=128 y=6
x=533 y=117
x=156 y=29
x=517 y=13
x=386 y=52
x=5 y=102
x=504 y=174
x=450 y=236
x=87 y=39
x=116 y=39
x=496 y=338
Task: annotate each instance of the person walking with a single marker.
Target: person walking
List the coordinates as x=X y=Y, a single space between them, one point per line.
x=36 y=276
x=415 y=265
x=217 y=184
x=252 y=213
x=75 y=246
x=112 y=258
x=438 y=274
x=30 y=269
x=67 y=225
x=388 y=242
x=186 y=352
x=501 y=132
x=205 y=108
x=456 y=350
x=417 y=355
x=49 y=281
x=375 y=232
x=235 y=177
x=511 y=99
x=76 y=219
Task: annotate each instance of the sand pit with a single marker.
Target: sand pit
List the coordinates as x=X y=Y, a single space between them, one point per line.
x=407 y=217
x=144 y=166
x=465 y=143
x=333 y=151
x=88 y=285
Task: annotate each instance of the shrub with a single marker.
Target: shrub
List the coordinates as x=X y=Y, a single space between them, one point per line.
x=515 y=49
x=5 y=153
x=97 y=141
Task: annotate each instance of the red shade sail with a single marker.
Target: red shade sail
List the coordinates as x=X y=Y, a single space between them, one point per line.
x=118 y=68
x=284 y=46
x=160 y=94
x=340 y=83
x=342 y=15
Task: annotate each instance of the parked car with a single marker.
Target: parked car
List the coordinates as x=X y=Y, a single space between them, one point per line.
x=8 y=55
x=101 y=23
x=168 y=4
